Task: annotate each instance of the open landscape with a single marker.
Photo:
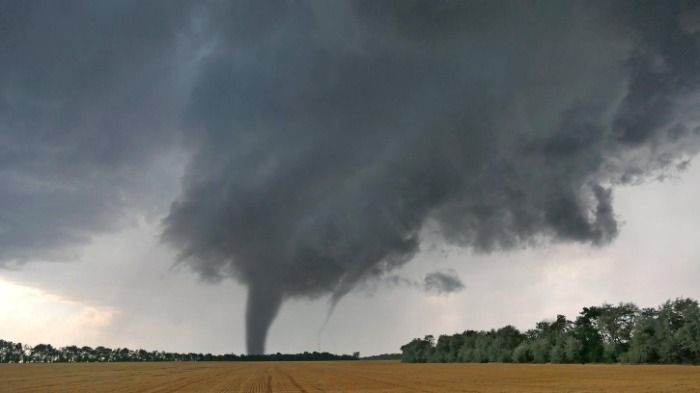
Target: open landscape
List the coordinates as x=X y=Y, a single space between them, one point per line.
x=239 y=196
x=350 y=377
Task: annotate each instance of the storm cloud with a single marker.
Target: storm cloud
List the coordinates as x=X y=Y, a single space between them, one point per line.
x=89 y=94
x=325 y=141
x=330 y=137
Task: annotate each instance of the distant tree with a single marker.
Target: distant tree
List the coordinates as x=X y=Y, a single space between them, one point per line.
x=615 y=325
x=572 y=350
x=418 y=351
x=644 y=346
x=678 y=330
x=606 y=333
x=587 y=334
x=522 y=353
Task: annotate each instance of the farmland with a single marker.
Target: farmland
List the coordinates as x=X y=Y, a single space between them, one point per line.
x=353 y=376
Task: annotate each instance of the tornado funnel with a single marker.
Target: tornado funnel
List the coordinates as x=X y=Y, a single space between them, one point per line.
x=262 y=306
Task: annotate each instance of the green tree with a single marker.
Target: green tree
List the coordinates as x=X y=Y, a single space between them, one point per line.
x=586 y=332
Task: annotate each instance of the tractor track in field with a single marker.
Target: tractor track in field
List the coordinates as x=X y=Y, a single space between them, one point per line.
x=293 y=381
x=175 y=385
x=259 y=382
x=183 y=382
x=386 y=382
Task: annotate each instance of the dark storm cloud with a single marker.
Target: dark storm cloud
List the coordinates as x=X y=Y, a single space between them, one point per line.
x=86 y=106
x=328 y=137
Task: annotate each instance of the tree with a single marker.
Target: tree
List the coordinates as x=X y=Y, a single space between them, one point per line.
x=615 y=324
x=589 y=337
x=418 y=351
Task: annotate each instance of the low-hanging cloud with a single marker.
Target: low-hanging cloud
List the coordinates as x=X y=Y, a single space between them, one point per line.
x=437 y=282
x=442 y=282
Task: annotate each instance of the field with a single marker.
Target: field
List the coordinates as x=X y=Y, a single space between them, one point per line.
x=350 y=377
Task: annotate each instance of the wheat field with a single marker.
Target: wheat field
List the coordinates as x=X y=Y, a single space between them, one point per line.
x=350 y=377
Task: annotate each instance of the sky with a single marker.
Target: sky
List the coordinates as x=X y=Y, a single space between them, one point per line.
x=297 y=175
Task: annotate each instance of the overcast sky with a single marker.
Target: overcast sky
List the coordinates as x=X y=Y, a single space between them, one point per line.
x=185 y=176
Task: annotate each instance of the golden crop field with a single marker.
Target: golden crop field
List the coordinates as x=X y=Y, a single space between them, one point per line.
x=350 y=377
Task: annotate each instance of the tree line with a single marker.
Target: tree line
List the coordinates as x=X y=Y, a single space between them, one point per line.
x=623 y=333
x=45 y=353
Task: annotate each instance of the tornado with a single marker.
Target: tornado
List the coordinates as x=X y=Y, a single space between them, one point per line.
x=261 y=309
